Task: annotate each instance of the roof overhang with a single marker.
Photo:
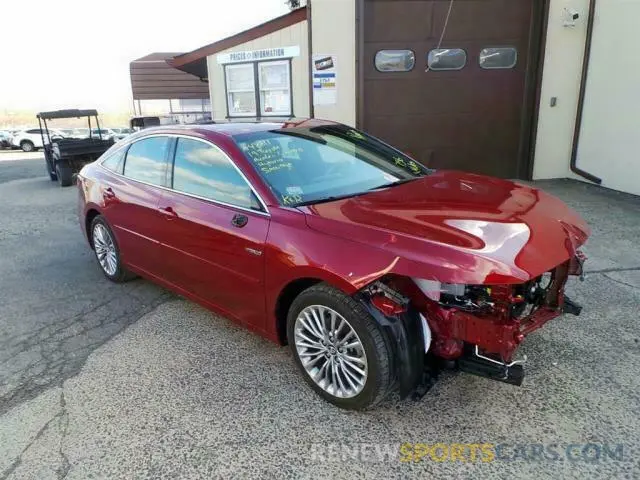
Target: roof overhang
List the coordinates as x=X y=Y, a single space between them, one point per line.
x=153 y=78
x=195 y=62
x=73 y=113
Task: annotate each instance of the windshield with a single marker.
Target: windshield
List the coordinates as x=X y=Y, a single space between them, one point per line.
x=309 y=165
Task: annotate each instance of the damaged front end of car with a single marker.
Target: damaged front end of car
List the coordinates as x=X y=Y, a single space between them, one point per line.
x=473 y=328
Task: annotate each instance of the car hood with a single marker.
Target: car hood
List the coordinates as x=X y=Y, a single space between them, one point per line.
x=458 y=227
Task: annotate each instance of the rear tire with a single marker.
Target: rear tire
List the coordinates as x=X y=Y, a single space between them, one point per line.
x=27 y=146
x=323 y=347
x=104 y=244
x=64 y=174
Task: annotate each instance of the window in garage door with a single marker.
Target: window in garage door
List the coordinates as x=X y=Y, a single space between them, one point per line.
x=498 y=57
x=395 y=60
x=467 y=107
x=446 y=59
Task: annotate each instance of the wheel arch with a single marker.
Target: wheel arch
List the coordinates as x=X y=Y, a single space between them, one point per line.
x=285 y=298
x=304 y=278
x=90 y=215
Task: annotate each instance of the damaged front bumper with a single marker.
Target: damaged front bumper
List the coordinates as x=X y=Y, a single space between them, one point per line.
x=426 y=335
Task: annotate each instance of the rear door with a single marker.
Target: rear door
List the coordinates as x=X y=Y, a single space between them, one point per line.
x=131 y=200
x=215 y=231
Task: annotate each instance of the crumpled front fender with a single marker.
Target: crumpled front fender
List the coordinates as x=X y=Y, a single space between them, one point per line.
x=403 y=334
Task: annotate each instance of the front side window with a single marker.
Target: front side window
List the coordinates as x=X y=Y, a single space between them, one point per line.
x=395 y=60
x=498 y=58
x=115 y=161
x=446 y=59
x=146 y=160
x=275 y=94
x=205 y=171
x=241 y=96
x=311 y=165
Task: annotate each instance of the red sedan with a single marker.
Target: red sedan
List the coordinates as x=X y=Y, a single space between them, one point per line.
x=375 y=270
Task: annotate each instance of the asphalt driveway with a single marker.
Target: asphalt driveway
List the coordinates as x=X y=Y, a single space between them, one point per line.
x=129 y=381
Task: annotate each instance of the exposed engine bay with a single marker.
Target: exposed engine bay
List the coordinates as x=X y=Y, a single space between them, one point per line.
x=476 y=328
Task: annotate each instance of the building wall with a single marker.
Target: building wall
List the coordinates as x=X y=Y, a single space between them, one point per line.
x=564 y=54
x=291 y=36
x=333 y=33
x=609 y=138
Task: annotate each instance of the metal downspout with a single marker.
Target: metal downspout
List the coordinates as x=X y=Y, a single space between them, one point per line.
x=583 y=88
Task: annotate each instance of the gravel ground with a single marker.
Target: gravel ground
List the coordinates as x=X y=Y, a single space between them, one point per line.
x=110 y=381
x=56 y=306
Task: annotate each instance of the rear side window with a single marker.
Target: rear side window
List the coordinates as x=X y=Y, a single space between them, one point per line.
x=205 y=171
x=35 y=130
x=146 y=160
x=115 y=161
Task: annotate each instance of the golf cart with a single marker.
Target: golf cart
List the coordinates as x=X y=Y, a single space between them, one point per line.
x=66 y=156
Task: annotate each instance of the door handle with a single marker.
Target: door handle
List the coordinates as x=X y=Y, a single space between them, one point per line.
x=239 y=220
x=108 y=193
x=169 y=212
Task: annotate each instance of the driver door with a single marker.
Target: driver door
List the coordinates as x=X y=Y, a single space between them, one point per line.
x=214 y=232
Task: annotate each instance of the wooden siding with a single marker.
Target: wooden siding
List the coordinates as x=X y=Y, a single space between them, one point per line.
x=155 y=79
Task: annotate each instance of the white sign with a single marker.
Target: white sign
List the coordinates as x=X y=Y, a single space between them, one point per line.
x=325 y=77
x=255 y=55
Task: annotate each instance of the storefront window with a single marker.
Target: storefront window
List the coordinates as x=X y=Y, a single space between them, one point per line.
x=273 y=85
x=241 y=97
x=275 y=95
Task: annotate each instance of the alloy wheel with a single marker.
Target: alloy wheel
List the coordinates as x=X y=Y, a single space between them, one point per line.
x=330 y=351
x=105 y=249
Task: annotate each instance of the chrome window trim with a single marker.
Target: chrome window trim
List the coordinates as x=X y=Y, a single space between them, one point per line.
x=168 y=189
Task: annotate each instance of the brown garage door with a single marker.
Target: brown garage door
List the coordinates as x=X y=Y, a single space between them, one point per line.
x=469 y=111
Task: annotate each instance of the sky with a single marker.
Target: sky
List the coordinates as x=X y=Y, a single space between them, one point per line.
x=75 y=53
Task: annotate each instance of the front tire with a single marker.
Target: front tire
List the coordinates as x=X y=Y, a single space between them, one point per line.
x=340 y=350
x=107 y=252
x=27 y=146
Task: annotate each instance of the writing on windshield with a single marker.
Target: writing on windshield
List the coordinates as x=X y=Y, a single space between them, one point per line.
x=303 y=165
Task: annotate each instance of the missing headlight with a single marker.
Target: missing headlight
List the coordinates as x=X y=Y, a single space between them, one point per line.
x=465 y=297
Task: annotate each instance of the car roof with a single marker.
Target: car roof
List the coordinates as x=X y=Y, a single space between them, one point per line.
x=237 y=128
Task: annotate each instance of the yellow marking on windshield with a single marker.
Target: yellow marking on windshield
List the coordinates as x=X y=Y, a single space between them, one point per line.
x=355 y=134
x=399 y=161
x=291 y=199
x=414 y=167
